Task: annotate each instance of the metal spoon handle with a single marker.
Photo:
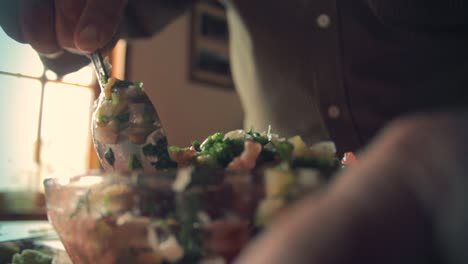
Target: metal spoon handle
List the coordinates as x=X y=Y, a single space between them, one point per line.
x=100 y=68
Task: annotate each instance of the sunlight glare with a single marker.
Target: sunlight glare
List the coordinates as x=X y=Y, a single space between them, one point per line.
x=51 y=75
x=19 y=58
x=19 y=112
x=85 y=76
x=65 y=130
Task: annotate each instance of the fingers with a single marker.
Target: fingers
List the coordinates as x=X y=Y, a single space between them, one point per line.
x=67 y=16
x=75 y=25
x=37 y=22
x=9 y=20
x=98 y=24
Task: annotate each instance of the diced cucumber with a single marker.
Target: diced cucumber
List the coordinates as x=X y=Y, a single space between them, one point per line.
x=115 y=98
x=134 y=163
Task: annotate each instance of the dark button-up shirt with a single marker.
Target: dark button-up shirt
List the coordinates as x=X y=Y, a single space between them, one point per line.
x=362 y=63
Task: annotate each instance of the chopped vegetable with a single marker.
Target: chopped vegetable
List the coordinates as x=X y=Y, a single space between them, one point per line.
x=220 y=150
x=257 y=137
x=226 y=188
x=196 y=144
x=138 y=84
x=177 y=149
x=118 y=84
x=102 y=119
x=160 y=152
x=134 y=163
x=277 y=182
x=30 y=256
x=108 y=88
x=190 y=236
x=349 y=159
x=109 y=156
x=300 y=148
x=115 y=98
x=284 y=150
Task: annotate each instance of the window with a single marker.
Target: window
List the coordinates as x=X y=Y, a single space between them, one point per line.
x=45 y=121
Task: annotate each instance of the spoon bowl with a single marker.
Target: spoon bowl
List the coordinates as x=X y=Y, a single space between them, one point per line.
x=126 y=129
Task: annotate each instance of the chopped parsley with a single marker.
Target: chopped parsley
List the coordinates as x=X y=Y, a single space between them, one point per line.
x=160 y=152
x=109 y=156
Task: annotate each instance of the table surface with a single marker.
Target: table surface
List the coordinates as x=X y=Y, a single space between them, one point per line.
x=26 y=230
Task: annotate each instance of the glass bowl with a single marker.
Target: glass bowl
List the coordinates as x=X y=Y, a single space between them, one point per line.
x=174 y=216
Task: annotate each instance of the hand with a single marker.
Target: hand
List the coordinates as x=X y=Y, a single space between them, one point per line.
x=404 y=202
x=51 y=26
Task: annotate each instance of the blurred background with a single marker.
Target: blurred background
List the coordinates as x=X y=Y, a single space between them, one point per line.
x=46 y=119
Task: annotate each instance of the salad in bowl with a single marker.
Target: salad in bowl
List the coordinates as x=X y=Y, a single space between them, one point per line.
x=202 y=203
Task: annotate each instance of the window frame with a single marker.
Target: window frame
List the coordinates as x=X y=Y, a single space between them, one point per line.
x=38 y=209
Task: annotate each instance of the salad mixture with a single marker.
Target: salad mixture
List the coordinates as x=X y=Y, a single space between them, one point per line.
x=204 y=204
x=125 y=127
x=166 y=204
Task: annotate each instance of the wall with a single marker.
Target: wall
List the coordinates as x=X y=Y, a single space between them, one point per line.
x=188 y=110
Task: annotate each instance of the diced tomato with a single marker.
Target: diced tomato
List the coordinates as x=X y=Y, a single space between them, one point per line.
x=348 y=159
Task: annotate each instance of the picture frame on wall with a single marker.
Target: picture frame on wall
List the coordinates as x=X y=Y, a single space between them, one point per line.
x=209 y=47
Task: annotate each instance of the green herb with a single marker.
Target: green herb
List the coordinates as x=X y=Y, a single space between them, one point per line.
x=160 y=151
x=121 y=84
x=30 y=256
x=138 y=84
x=104 y=80
x=223 y=151
x=284 y=150
x=196 y=144
x=190 y=236
x=266 y=155
x=177 y=149
x=156 y=150
x=211 y=140
x=101 y=118
x=106 y=202
x=259 y=138
x=134 y=163
x=109 y=156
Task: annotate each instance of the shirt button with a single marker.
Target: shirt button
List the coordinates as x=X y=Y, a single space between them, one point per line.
x=323 y=21
x=333 y=111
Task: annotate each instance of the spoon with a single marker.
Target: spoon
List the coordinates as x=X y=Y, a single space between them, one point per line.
x=125 y=127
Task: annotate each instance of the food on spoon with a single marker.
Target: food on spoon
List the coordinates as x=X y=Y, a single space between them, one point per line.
x=124 y=123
